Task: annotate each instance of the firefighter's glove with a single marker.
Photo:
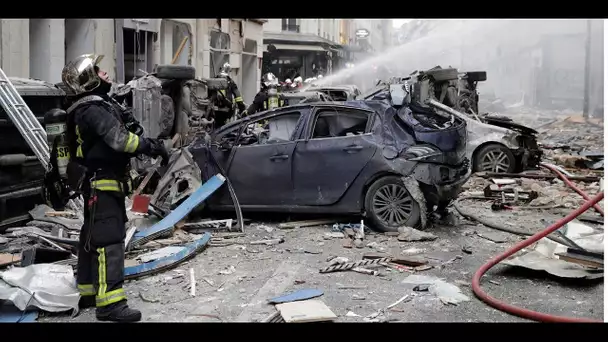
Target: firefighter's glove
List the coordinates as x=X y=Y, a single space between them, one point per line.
x=241 y=106
x=157 y=149
x=243 y=114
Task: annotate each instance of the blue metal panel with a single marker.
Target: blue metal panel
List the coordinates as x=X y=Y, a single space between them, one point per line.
x=166 y=225
x=190 y=249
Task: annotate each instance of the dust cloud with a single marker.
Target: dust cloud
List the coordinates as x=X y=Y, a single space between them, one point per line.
x=532 y=63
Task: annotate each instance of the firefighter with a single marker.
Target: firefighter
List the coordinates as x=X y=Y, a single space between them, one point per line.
x=232 y=95
x=100 y=151
x=267 y=97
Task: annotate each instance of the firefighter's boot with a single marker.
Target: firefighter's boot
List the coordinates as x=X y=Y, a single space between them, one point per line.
x=118 y=312
x=86 y=302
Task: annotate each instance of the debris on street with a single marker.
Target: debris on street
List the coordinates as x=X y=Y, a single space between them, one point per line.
x=311 y=310
x=408 y=234
x=48 y=287
x=419 y=207
x=268 y=242
x=447 y=293
x=296 y=296
x=545 y=256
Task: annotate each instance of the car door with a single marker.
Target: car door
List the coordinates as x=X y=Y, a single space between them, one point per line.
x=261 y=172
x=336 y=146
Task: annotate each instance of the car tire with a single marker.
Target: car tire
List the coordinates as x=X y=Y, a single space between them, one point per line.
x=373 y=199
x=175 y=72
x=440 y=75
x=492 y=153
x=477 y=76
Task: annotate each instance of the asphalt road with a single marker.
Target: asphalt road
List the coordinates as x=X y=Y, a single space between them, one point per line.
x=234 y=282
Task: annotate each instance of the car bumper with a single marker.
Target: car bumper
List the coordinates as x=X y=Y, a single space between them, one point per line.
x=449 y=191
x=441 y=183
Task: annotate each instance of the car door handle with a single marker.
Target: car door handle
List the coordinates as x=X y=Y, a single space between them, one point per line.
x=279 y=157
x=353 y=148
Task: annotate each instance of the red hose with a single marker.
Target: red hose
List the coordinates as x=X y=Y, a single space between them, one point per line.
x=521 y=312
x=571 y=185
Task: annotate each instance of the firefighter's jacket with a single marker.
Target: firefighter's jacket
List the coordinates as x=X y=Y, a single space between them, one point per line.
x=99 y=140
x=233 y=94
x=261 y=102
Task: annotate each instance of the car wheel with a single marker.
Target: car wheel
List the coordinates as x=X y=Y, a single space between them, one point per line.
x=495 y=158
x=389 y=205
x=175 y=72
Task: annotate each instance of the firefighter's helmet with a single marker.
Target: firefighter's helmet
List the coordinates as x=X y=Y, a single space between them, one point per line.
x=225 y=70
x=269 y=79
x=80 y=75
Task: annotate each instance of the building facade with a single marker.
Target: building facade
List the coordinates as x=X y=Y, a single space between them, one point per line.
x=39 y=48
x=302 y=47
x=309 y=47
x=379 y=34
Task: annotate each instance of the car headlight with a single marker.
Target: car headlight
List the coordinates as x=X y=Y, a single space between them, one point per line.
x=422 y=153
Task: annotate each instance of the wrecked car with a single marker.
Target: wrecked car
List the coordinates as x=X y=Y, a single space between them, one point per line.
x=339 y=92
x=495 y=143
x=292 y=98
x=171 y=101
x=391 y=164
x=21 y=173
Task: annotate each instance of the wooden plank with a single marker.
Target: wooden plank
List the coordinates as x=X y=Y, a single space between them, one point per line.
x=581 y=260
x=308 y=223
x=305 y=311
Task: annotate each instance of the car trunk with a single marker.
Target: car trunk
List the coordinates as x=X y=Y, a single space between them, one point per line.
x=428 y=127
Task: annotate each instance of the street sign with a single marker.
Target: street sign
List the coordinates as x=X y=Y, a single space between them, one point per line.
x=362 y=33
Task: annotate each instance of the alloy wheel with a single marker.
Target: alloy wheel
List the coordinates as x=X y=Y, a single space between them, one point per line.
x=495 y=161
x=392 y=204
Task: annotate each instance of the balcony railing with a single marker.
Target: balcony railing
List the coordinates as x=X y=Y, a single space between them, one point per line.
x=291 y=28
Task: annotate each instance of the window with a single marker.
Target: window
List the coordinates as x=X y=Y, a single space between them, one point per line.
x=273 y=130
x=219 y=49
x=333 y=123
x=290 y=25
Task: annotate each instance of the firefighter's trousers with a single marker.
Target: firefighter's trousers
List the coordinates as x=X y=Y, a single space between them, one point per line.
x=101 y=252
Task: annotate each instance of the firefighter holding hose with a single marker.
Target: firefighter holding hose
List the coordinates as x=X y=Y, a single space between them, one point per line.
x=101 y=147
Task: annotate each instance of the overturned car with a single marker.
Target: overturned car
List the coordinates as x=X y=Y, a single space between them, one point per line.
x=373 y=157
x=495 y=143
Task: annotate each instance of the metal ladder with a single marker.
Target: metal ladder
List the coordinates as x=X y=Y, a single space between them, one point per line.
x=26 y=122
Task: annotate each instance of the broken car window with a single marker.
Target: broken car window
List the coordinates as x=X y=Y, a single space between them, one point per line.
x=270 y=131
x=333 y=123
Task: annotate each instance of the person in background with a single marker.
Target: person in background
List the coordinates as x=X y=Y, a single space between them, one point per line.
x=265 y=99
x=232 y=95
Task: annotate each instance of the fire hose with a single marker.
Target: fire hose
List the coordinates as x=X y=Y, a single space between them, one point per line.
x=522 y=312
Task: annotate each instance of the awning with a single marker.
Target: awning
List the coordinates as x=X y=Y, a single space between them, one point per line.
x=296 y=47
